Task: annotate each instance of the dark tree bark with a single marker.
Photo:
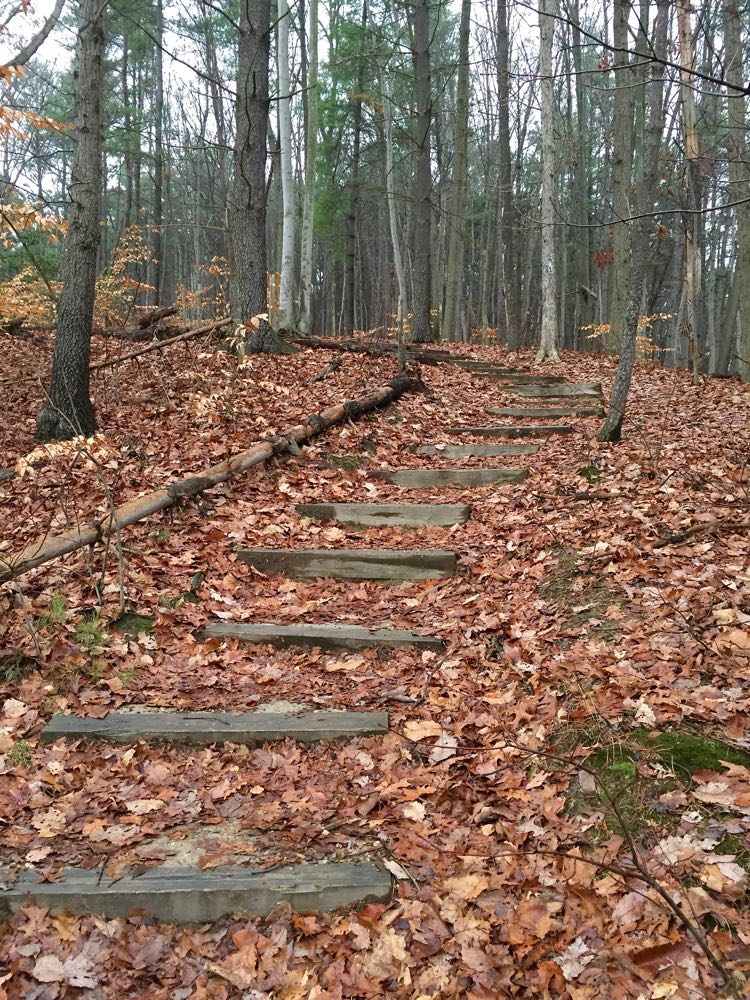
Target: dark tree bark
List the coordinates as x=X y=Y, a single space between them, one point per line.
x=508 y=292
x=611 y=429
x=419 y=19
x=350 y=294
x=68 y=411
x=158 y=243
x=248 y=203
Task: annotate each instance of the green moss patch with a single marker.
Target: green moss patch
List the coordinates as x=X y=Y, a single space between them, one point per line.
x=349 y=463
x=133 y=624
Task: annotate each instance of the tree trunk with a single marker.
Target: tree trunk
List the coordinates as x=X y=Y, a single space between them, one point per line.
x=350 y=278
x=68 y=411
x=311 y=150
x=398 y=265
x=286 y=295
x=693 y=251
x=157 y=243
x=508 y=296
x=739 y=175
x=248 y=216
x=611 y=430
x=455 y=265
x=622 y=165
x=420 y=50
x=548 y=342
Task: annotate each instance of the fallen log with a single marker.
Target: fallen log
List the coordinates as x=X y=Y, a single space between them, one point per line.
x=152 y=317
x=47 y=548
x=199 y=332
x=383 y=348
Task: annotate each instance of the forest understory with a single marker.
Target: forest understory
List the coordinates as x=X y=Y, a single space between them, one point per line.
x=577 y=757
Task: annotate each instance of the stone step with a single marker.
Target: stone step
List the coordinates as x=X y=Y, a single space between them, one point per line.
x=407 y=515
x=541 y=412
x=554 y=391
x=188 y=895
x=353 y=564
x=416 y=479
x=322 y=636
x=523 y=378
x=531 y=430
x=202 y=728
x=469 y=450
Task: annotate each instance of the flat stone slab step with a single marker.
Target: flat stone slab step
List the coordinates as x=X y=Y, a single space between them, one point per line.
x=469 y=450
x=408 y=515
x=417 y=479
x=353 y=564
x=189 y=895
x=523 y=378
x=553 y=391
x=201 y=728
x=535 y=430
x=541 y=412
x=322 y=636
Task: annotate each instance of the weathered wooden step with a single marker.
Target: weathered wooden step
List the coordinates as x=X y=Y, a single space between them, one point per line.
x=189 y=895
x=322 y=636
x=554 y=391
x=469 y=450
x=416 y=479
x=524 y=378
x=530 y=430
x=201 y=728
x=353 y=564
x=541 y=412
x=408 y=515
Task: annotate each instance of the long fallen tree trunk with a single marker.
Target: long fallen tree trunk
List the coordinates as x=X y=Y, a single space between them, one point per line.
x=188 y=335
x=384 y=348
x=46 y=548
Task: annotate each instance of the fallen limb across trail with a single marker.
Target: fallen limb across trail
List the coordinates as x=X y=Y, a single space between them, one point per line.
x=47 y=548
x=199 y=332
x=384 y=348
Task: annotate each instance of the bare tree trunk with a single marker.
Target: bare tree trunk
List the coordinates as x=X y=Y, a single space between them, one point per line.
x=548 y=342
x=420 y=49
x=311 y=151
x=693 y=258
x=286 y=295
x=611 y=429
x=248 y=210
x=398 y=265
x=508 y=296
x=622 y=165
x=68 y=411
x=157 y=242
x=739 y=175
x=455 y=265
x=350 y=280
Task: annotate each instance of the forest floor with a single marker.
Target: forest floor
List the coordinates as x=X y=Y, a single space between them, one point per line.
x=588 y=670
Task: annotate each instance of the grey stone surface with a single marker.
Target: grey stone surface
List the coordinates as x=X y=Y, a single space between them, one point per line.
x=416 y=479
x=469 y=450
x=323 y=636
x=189 y=895
x=353 y=564
x=408 y=515
x=201 y=728
x=535 y=430
x=541 y=412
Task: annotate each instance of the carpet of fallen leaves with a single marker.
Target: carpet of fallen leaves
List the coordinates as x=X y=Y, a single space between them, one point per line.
x=567 y=616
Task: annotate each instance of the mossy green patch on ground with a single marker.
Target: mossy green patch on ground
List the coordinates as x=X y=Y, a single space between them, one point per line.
x=133 y=624
x=56 y=613
x=90 y=634
x=630 y=773
x=19 y=754
x=15 y=665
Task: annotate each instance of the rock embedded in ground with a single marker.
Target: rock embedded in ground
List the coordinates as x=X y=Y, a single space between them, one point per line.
x=477 y=450
x=416 y=479
x=408 y=515
x=535 y=430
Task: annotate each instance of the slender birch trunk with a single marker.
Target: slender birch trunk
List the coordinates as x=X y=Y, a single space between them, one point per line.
x=311 y=150
x=421 y=299
x=548 y=342
x=286 y=295
x=398 y=265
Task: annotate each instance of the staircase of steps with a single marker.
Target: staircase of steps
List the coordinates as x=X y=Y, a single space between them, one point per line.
x=186 y=893
x=544 y=412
